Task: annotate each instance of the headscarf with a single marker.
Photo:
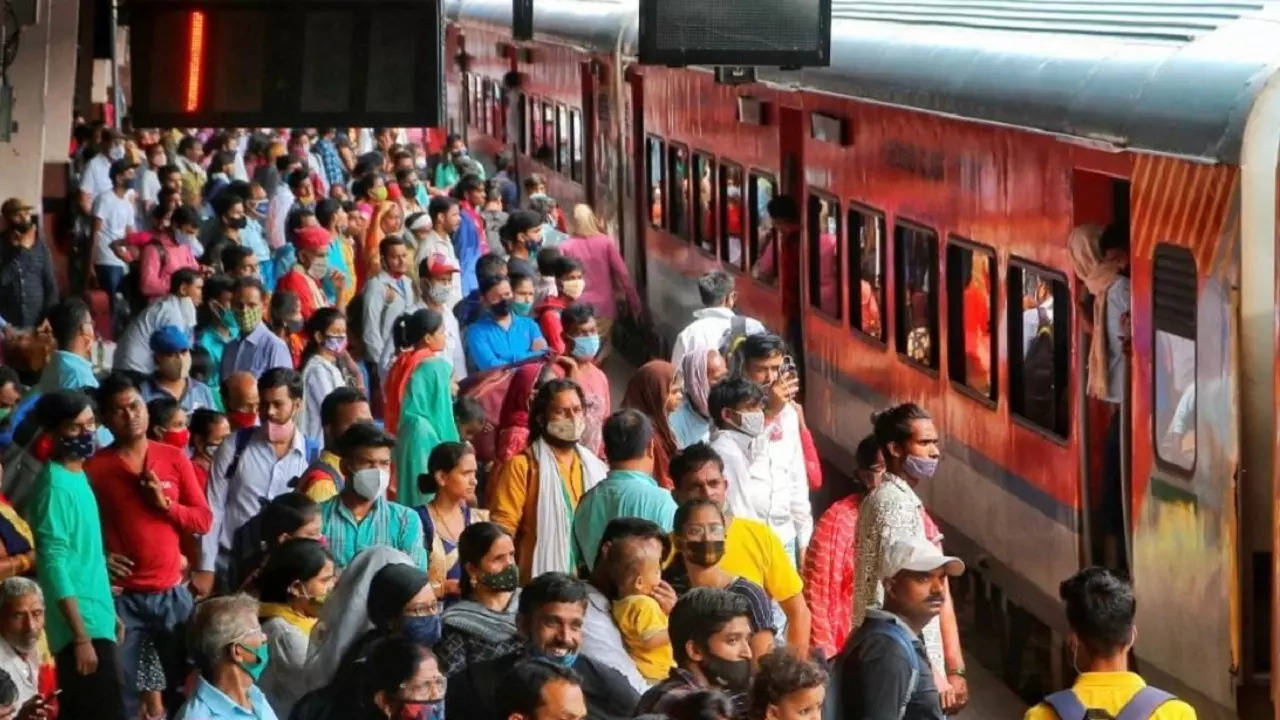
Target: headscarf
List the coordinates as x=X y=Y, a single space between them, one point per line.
x=1097 y=273
x=647 y=392
x=391 y=589
x=696 y=385
x=426 y=420
x=513 y=419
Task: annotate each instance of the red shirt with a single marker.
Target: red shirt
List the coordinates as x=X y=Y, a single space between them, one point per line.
x=132 y=527
x=310 y=296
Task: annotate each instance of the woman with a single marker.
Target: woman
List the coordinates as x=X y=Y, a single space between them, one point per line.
x=288 y=516
x=17 y=544
x=482 y=625
x=292 y=588
x=606 y=272
x=426 y=420
x=388 y=219
x=513 y=418
x=394 y=679
x=451 y=478
x=418 y=337
x=699 y=542
x=691 y=422
x=326 y=334
x=216 y=324
x=786 y=688
x=437 y=295
x=568 y=276
x=209 y=429
x=167 y=423
x=829 y=565
x=653 y=390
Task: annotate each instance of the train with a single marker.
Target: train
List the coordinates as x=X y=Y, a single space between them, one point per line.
x=941 y=162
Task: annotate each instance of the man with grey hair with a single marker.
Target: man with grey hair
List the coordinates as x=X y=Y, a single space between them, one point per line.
x=231 y=650
x=21 y=627
x=715 y=320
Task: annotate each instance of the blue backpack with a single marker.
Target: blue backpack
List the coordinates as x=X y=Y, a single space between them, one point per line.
x=831 y=706
x=1140 y=707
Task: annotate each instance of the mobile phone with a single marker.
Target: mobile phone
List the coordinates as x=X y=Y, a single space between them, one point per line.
x=788 y=366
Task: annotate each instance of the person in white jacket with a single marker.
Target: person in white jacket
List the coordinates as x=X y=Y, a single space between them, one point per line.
x=712 y=323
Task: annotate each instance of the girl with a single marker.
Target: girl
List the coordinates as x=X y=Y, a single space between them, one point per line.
x=418 y=337
x=653 y=390
x=292 y=587
x=482 y=625
x=326 y=334
x=168 y=423
x=426 y=420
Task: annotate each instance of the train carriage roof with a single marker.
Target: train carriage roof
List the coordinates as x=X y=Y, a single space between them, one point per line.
x=1165 y=76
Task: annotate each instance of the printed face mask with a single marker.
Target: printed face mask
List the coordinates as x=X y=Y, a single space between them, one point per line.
x=248 y=319
x=704 y=553
x=567 y=429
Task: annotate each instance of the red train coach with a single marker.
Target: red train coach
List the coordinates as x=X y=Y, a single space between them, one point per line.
x=941 y=162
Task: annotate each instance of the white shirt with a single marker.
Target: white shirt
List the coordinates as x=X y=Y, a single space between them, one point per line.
x=259 y=477
x=133 y=352
x=319 y=378
x=24 y=671
x=707 y=331
x=97 y=176
x=277 y=213
x=148 y=196
x=769 y=475
x=117 y=215
x=602 y=642
x=285 y=680
x=437 y=244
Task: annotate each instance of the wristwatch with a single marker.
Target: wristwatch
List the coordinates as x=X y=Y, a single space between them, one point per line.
x=958 y=672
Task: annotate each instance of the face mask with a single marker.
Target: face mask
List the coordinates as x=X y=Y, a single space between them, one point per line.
x=573 y=288
x=116 y=152
x=566 y=660
x=416 y=710
x=22 y=228
x=751 y=423
x=241 y=419
x=279 y=432
x=439 y=294
x=177 y=438
x=586 y=347
x=567 y=429
x=210 y=450
x=423 y=630
x=4 y=413
x=335 y=343
x=248 y=319
x=501 y=309
x=227 y=318
x=732 y=675
x=920 y=468
x=704 y=553
x=77 y=447
x=505 y=580
x=262 y=207
x=170 y=369
x=534 y=246
x=318 y=268
x=522 y=308
x=183 y=238
x=371 y=483
x=262 y=654
x=379 y=193
x=420 y=162
x=237 y=223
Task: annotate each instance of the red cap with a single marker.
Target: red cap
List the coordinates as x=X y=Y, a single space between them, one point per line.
x=313 y=238
x=441 y=265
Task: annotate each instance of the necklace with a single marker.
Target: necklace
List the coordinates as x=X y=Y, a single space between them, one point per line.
x=442 y=526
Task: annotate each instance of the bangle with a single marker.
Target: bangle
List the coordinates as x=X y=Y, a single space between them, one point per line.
x=958 y=672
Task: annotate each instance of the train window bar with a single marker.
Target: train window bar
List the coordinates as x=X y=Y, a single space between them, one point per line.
x=575 y=145
x=704 y=202
x=916 y=294
x=972 y=359
x=733 y=216
x=1039 y=326
x=678 y=190
x=1174 y=286
x=826 y=272
x=763 y=245
x=522 y=124
x=868 y=262
x=655 y=161
x=563 y=163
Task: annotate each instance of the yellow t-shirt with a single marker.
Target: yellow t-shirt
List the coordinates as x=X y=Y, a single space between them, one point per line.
x=753 y=551
x=1110 y=691
x=638 y=618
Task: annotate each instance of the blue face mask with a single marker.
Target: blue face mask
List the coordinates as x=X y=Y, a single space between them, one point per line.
x=262 y=207
x=423 y=630
x=262 y=653
x=921 y=468
x=586 y=347
x=561 y=660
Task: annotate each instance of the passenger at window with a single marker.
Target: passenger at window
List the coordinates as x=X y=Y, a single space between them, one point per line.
x=779 y=257
x=977 y=324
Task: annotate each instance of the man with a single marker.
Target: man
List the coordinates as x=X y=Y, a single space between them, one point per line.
x=539 y=690
x=240 y=398
x=507 y=190
x=171 y=346
x=284 y=198
x=361 y=516
x=27 y=288
x=341 y=409
x=257 y=349
x=73 y=333
x=522 y=239
x=286 y=323
x=551 y=613
x=225 y=228
x=254 y=465
x=150 y=502
x=893 y=512
x=1100 y=609
x=335 y=173
x=446 y=217
x=231 y=652
x=168 y=250
x=472 y=307
x=193 y=174
x=556 y=422
x=470 y=236
x=438 y=276
x=239 y=261
x=178 y=308
x=387 y=295
x=751 y=550
x=581 y=338
x=96 y=178
x=113 y=221
x=254 y=233
x=710 y=632
x=312 y=244
x=629 y=490
x=500 y=336
x=21 y=630
x=712 y=324
x=446 y=169
x=885 y=672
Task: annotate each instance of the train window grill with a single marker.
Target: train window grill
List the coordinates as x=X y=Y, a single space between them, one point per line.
x=733 y=219
x=1174 y=287
x=704 y=202
x=678 y=190
x=866 y=264
x=1039 y=347
x=825 y=268
x=575 y=145
x=656 y=154
x=763 y=248
x=477 y=112
x=562 y=139
x=522 y=124
x=546 y=153
x=916 y=296
x=971 y=312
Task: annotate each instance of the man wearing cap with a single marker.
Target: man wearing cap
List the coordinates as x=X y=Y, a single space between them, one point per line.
x=113 y=220
x=27 y=287
x=884 y=672
x=312 y=245
x=133 y=352
x=171 y=346
x=387 y=295
x=522 y=238
x=439 y=278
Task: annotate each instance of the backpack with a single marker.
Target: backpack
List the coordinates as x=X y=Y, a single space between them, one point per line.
x=732 y=340
x=1066 y=704
x=831 y=705
x=316 y=470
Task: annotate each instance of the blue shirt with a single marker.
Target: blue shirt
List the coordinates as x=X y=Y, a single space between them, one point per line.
x=69 y=371
x=388 y=523
x=210 y=703
x=256 y=353
x=622 y=493
x=688 y=426
x=489 y=345
x=197 y=395
x=252 y=237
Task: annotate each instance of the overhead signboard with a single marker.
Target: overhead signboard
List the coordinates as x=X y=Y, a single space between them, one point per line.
x=298 y=63
x=784 y=33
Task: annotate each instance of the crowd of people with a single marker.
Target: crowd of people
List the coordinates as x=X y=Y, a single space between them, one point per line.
x=324 y=434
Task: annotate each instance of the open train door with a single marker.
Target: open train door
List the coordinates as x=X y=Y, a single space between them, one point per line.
x=791 y=137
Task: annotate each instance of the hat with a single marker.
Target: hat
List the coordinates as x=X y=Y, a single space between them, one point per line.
x=313 y=238
x=419 y=221
x=13 y=206
x=918 y=555
x=391 y=588
x=170 y=339
x=120 y=166
x=441 y=265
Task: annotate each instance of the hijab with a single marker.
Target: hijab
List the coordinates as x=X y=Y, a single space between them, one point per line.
x=647 y=392
x=696 y=385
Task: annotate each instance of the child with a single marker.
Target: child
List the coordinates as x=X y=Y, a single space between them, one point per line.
x=545 y=287
x=640 y=619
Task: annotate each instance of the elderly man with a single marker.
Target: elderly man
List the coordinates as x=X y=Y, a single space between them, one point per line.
x=240 y=398
x=21 y=628
x=231 y=651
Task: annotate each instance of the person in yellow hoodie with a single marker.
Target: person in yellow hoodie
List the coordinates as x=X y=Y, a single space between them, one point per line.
x=1100 y=609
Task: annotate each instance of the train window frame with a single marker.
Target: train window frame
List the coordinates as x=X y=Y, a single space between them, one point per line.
x=477 y=113
x=497 y=113
x=680 y=232
x=955 y=321
x=577 y=148
x=854 y=260
x=533 y=121
x=708 y=245
x=522 y=116
x=563 y=161
x=650 y=142
x=813 y=236
x=722 y=215
x=754 y=176
x=466 y=100
x=486 y=107
x=900 y=330
x=549 y=106
x=1014 y=269
x=1180 y=322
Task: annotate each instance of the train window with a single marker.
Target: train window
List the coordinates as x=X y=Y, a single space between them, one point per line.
x=704 y=217
x=547 y=145
x=575 y=145
x=678 y=190
x=522 y=125
x=477 y=114
x=562 y=144
x=764 y=249
x=656 y=153
x=867 y=263
x=486 y=106
x=732 y=216
x=825 y=269
x=533 y=119
x=971 y=309
x=496 y=112
x=1174 y=288
x=916 y=297
x=1039 y=347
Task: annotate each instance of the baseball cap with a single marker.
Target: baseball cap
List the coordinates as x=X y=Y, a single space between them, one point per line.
x=14 y=205
x=312 y=237
x=441 y=265
x=169 y=340
x=918 y=555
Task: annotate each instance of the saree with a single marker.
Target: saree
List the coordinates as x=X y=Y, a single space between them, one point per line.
x=398 y=381
x=426 y=420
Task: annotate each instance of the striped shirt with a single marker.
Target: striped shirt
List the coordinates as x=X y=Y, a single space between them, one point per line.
x=387 y=523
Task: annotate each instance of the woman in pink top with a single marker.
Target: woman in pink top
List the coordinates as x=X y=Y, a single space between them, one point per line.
x=162 y=254
x=602 y=264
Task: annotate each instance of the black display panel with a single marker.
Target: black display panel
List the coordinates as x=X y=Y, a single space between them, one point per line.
x=295 y=63
x=785 y=33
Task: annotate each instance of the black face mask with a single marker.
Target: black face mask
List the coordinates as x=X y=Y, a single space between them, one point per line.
x=237 y=223
x=704 y=553
x=22 y=228
x=732 y=675
x=501 y=309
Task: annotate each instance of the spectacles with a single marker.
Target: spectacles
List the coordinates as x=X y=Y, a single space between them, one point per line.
x=422 y=610
x=713 y=531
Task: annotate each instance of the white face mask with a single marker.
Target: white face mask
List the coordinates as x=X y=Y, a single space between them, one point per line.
x=751 y=423
x=371 y=483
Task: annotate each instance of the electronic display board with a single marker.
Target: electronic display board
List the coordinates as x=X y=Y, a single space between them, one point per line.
x=784 y=33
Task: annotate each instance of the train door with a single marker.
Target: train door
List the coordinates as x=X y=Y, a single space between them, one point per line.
x=791 y=137
x=1105 y=430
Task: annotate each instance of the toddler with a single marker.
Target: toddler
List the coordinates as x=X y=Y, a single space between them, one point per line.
x=640 y=619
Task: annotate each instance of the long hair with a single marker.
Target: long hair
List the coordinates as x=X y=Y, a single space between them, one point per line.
x=585 y=223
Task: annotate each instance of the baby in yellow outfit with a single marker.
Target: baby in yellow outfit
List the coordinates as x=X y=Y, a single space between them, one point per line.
x=640 y=619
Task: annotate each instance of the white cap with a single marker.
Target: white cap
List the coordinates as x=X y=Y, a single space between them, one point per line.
x=918 y=555
x=421 y=221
